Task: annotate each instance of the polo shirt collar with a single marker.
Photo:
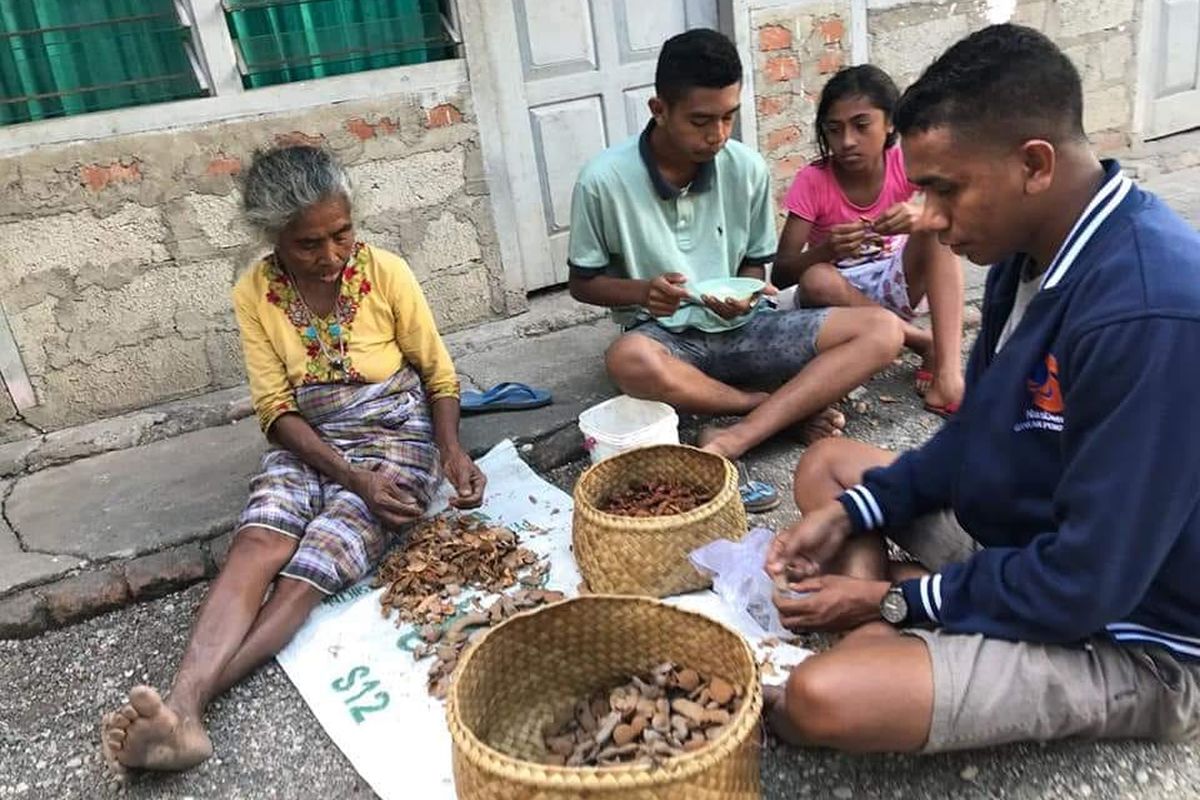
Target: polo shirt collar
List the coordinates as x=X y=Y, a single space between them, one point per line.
x=664 y=189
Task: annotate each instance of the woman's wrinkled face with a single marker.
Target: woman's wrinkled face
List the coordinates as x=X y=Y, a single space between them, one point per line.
x=318 y=243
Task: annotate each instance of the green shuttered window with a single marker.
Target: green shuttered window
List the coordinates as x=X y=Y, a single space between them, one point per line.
x=281 y=41
x=60 y=57
x=64 y=57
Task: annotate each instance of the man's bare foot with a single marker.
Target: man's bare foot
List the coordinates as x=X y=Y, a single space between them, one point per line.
x=776 y=716
x=822 y=425
x=149 y=734
x=727 y=442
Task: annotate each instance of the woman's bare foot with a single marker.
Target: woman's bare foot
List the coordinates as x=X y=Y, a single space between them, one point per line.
x=150 y=734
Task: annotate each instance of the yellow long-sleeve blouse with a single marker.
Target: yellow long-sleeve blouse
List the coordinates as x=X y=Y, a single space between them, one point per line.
x=384 y=321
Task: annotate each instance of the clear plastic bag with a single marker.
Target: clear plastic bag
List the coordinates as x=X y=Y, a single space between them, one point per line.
x=740 y=580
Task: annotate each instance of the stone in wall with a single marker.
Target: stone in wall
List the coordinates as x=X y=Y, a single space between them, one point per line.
x=798 y=48
x=79 y=241
x=125 y=379
x=906 y=39
x=1079 y=17
x=397 y=187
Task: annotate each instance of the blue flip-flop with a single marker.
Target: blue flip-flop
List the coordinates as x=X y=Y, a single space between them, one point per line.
x=758 y=497
x=507 y=396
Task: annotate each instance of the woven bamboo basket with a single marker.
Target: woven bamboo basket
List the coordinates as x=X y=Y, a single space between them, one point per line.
x=649 y=555
x=526 y=671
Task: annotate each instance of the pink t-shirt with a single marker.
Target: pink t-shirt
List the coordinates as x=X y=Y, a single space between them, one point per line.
x=816 y=196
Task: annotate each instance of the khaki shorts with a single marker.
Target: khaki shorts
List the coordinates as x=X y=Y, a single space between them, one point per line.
x=992 y=691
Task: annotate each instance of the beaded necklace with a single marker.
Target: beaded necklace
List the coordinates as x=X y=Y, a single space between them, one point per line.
x=337 y=360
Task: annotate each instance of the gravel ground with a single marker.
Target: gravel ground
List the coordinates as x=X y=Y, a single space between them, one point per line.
x=270 y=746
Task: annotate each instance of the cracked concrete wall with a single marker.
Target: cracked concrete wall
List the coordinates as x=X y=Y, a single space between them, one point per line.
x=797 y=47
x=118 y=254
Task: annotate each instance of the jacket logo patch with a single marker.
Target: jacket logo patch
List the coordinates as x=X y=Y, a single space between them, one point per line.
x=1043 y=387
x=1045 y=398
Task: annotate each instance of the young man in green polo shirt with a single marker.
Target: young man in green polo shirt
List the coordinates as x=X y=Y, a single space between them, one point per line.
x=683 y=203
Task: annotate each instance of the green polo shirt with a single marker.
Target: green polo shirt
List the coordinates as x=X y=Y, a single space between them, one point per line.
x=627 y=221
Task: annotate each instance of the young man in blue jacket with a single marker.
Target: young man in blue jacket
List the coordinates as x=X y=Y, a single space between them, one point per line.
x=1057 y=515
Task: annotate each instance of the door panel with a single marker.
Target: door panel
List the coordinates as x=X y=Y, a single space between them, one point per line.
x=585 y=70
x=637 y=113
x=555 y=36
x=1174 y=34
x=649 y=24
x=565 y=135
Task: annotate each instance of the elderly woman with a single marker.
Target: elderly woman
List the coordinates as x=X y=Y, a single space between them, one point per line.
x=359 y=398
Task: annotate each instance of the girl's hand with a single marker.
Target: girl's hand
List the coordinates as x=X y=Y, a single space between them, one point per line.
x=900 y=218
x=846 y=240
x=466 y=478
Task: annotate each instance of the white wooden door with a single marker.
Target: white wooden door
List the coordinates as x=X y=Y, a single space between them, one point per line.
x=564 y=79
x=1172 y=69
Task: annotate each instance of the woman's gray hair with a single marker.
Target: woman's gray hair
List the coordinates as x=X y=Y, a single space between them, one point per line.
x=283 y=182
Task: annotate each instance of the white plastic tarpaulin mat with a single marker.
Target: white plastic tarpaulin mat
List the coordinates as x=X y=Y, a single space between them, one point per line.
x=356 y=671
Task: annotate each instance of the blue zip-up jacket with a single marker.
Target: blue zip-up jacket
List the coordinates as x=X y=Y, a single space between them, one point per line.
x=1075 y=458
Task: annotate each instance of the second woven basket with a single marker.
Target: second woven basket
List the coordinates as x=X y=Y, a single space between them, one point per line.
x=649 y=555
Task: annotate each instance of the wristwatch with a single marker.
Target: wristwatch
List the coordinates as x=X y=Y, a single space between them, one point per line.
x=894 y=608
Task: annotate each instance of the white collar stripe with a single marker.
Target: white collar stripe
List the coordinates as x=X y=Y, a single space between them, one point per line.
x=1121 y=186
x=1102 y=194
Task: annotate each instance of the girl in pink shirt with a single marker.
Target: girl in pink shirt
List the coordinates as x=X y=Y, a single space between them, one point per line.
x=854 y=233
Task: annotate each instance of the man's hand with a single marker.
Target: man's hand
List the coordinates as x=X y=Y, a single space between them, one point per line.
x=900 y=218
x=803 y=549
x=664 y=294
x=731 y=308
x=847 y=239
x=466 y=478
x=385 y=499
x=835 y=603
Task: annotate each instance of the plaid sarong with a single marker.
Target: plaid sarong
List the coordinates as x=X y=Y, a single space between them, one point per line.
x=381 y=426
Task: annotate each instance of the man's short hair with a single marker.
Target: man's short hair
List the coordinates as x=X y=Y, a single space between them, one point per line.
x=699 y=58
x=1006 y=83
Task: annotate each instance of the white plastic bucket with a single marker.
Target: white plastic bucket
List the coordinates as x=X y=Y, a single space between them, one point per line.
x=625 y=422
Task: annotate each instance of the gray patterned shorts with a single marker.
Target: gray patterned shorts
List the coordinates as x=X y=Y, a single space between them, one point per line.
x=768 y=350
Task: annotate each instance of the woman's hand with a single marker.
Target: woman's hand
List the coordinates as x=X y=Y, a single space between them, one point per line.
x=834 y=603
x=384 y=498
x=900 y=218
x=465 y=476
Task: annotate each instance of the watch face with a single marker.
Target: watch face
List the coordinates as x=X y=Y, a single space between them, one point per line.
x=894 y=609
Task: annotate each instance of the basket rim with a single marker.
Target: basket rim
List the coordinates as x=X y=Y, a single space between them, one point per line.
x=488 y=758
x=696 y=514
